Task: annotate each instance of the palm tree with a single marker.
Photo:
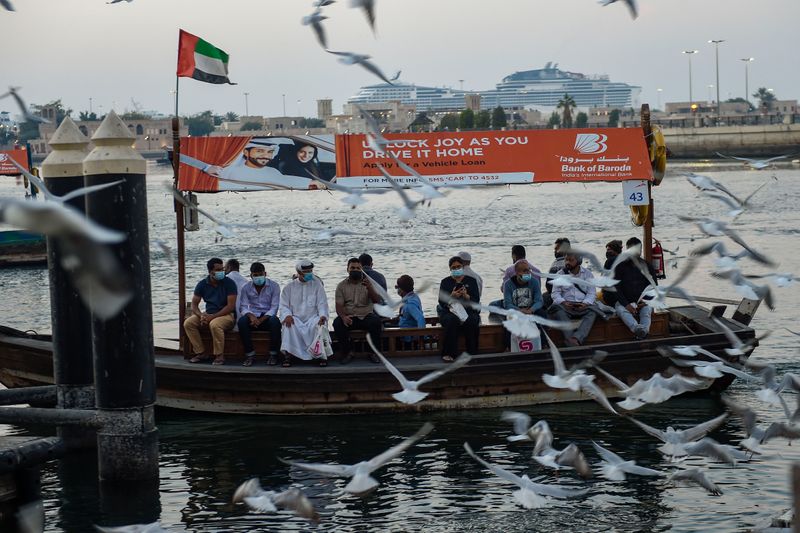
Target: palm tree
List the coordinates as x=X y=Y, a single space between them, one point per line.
x=765 y=97
x=567 y=104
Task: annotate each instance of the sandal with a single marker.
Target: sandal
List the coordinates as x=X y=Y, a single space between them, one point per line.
x=248 y=361
x=200 y=358
x=286 y=361
x=447 y=358
x=218 y=360
x=323 y=362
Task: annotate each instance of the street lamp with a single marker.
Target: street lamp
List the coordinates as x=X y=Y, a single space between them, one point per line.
x=246 y=106
x=690 y=53
x=710 y=86
x=747 y=61
x=659 y=90
x=716 y=45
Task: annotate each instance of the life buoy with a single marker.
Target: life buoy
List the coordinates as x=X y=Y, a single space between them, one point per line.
x=658 y=154
x=639 y=214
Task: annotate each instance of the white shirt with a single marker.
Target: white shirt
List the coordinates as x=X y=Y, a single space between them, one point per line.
x=303 y=300
x=240 y=282
x=253 y=178
x=575 y=294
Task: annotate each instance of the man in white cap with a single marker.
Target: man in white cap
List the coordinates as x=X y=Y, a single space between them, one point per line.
x=466 y=258
x=303 y=309
x=252 y=171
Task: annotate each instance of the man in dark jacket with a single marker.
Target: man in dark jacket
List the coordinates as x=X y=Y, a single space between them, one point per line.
x=630 y=306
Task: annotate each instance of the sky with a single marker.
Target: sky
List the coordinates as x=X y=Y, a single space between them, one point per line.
x=81 y=49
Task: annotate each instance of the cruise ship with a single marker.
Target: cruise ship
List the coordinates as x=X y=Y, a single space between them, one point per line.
x=530 y=88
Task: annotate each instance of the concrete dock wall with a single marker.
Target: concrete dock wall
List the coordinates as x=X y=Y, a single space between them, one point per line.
x=746 y=141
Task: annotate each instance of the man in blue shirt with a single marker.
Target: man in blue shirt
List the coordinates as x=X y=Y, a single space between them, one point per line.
x=219 y=294
x=258 y=309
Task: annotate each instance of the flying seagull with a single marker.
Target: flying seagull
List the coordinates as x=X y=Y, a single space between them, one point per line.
x=369 y=10
x=697 y=477
x=223 y=228
x=326 y=234
x=529 y=494
x=630 y=3
x=615 y=467
x=118 y=1
x=350 y=58
x=315 y=21
x=755 y=164
x=23 y=108
x=7 y=5
x=39 y=183
x=675 y=441
x=266 y=501
x=362 y=482
x=411 y=393
x=323 y=3
x=570 y=458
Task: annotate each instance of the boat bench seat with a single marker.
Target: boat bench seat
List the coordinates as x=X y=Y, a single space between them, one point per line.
x=425 y=341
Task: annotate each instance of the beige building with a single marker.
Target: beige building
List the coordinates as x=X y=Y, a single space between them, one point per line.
x=152 y=135
x=393 y=116
x=324 y=108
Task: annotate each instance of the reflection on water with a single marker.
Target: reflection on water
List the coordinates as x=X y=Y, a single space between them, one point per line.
x=435 y=486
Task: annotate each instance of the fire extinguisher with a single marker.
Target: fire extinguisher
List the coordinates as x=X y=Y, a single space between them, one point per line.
x=658 y=260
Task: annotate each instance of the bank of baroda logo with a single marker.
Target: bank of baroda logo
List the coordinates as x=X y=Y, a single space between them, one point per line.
x=591 y=143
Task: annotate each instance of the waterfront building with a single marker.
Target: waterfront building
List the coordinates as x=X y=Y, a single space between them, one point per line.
x=531 y=88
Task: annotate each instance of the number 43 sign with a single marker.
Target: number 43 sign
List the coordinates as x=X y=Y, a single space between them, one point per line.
x=635 y=192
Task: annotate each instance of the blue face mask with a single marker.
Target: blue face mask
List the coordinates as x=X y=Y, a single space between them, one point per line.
x=457 y=273
x=219 y=276
x=526 y=277
x=259 y=280
x=308 y=276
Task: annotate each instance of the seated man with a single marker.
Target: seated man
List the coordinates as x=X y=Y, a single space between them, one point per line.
x=458 y=286
x=411 y=315
x=258 y=311
x=366 y=266
x=613 y=249
x=355 y=297
x=219 y=294
x=303 y=309
x=574 y=301
x=517 y=253
x=466 y=258
x=559 y=250
x=522 y=293
x=629 y=304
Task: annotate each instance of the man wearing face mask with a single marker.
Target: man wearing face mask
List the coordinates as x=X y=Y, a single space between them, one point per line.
x=629 y=304
x=258 y=311
x=303 y=308
x=613 y=249
x=574 y=301
x=355 y=297
x=522 y=292
x=219 y=294
x=458 y=286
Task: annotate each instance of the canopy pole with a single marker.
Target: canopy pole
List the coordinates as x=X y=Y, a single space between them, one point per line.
x=647 y=241
x=179 y=221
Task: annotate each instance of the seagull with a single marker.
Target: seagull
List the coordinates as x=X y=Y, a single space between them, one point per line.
x=223 y=228
x=375 y=137
x=7 y=5
x=780 y=279
x=350 y=58
x=408 y=209
x=755 y=434
x=657 y=295
x=756 y=164
x=656 y=389
x=630 y=3
x=326 y=234
x=522 y=426
x=155 y=527
x=426 y=188
x=717 y=228
x=747 y=288
x=708 y=447
x=267 y=501
x=354 y=196
x=707 y=184
x=696 y=476
x=529 y=494
x=315 y=21
x=713 y=369
x=614 y=467
x=39 y=183
x=568 y=280
x=570 y=458
x=30 y=517
x=323 y=3
x=675 y=441
x=362 y=482
x=498 y=199
x=95 y=272
x=164 y=247
x=23 y=108
x=726 y=259
x=118 y=1
x=574 y=379
x=396 y=76
x=387 y=308
x=369 y=10
x=411 y=393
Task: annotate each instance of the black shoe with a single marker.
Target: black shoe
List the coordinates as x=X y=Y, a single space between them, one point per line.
x=374 y=358
x=346 y=359
x=272 y=360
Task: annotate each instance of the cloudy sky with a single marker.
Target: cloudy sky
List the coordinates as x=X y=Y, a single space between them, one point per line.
x=77 y=49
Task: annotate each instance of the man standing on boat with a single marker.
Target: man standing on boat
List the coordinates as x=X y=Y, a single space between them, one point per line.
x=629 y=305
x=258 y=311
x=355 y=297
x=574 y=301
x=219 y=294
x=303 y=309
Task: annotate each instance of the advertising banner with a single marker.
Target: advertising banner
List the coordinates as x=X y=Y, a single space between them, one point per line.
x=497 y=157
x=212 y=164
x=7 y=168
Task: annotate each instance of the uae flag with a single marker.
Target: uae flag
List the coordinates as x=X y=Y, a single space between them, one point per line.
x=201 y=60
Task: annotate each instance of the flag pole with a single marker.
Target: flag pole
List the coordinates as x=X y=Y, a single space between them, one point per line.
x=179 y=220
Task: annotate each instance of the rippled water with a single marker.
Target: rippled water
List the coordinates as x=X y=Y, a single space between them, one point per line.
x=436 y=487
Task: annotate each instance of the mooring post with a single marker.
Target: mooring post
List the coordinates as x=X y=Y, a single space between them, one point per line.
x=62 y=172
x=124 y=365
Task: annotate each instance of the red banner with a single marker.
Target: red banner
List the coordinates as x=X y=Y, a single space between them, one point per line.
x=498 y=157
x=19 y=155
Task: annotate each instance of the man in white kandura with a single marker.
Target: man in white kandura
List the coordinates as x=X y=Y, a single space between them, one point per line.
x=303 y=308
x=251 y=170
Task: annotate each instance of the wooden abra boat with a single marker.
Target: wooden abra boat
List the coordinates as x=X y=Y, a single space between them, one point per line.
x=492 y=379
